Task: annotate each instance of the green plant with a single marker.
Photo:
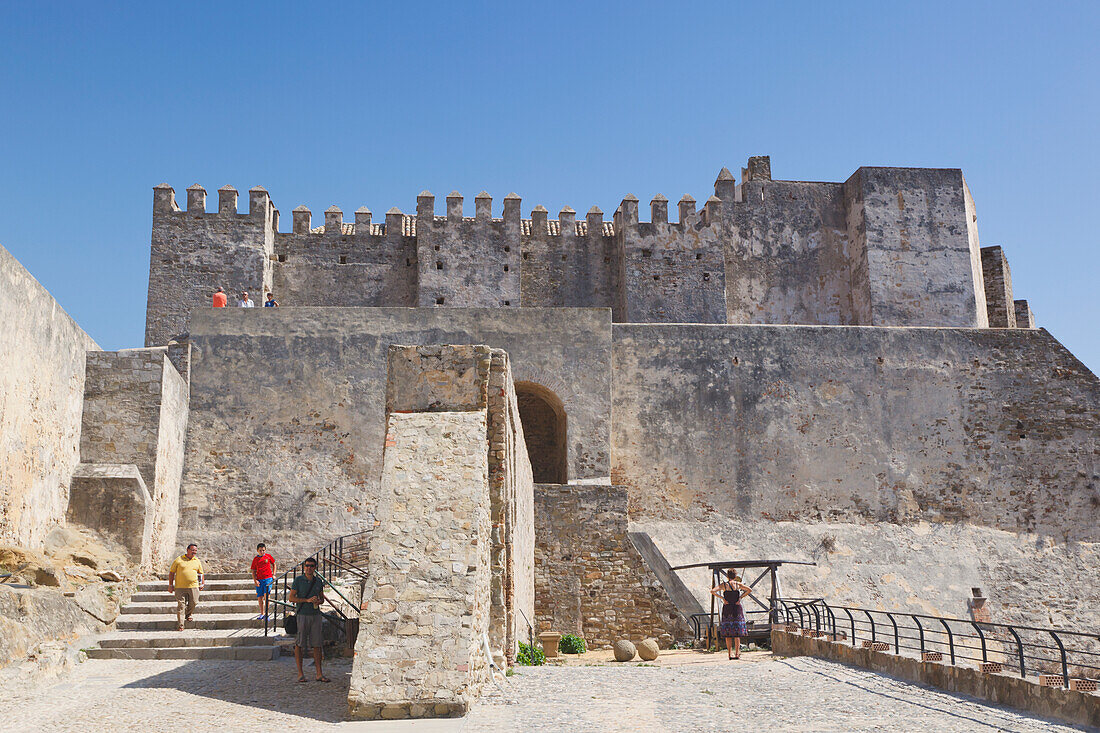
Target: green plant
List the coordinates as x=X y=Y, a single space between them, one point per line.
x=571 y=644
x=530 y=656
x=511 y=672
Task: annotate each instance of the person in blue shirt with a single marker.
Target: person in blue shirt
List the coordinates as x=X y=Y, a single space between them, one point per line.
x=271 y=302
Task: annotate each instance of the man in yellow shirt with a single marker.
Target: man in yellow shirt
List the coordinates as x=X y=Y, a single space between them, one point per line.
x=185 y=580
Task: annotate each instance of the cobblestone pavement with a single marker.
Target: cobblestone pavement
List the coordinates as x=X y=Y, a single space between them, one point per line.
x=801 y=693
x=793 y=694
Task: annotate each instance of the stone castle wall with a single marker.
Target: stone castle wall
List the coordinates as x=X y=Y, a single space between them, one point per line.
x=41 y=391
x=135 y=412
x=194 y=252
x=888 y=247
x=995 y=427
x=286 y=427
x=589 y=579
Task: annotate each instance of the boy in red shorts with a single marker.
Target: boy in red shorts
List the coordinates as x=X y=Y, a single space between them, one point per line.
x=263 y=573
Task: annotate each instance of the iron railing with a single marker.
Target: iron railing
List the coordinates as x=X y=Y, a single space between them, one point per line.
x=344 y=557
x=1036 y=650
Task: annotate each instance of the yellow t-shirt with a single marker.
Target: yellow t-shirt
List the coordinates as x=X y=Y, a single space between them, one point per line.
x=187 y=572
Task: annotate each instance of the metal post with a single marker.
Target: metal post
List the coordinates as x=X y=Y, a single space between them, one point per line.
x=872 y=620
x=1019 y=650
x=774 y=615
x=853 y=621
x=920 y=630
x=897 y=644
x=710 y=618
x=982 y=637
x=817 y=617
x=950 y=640
x=832 y=619
x=1065 y=668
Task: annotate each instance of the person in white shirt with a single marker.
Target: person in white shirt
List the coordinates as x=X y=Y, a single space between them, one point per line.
x=244 y=302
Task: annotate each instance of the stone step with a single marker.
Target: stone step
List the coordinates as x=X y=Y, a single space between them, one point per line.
x=217 y=576
x=250 y=653
x=205 y=595
x=167 y=622
x=164 y=639
x=154 y=586
x=205 y=607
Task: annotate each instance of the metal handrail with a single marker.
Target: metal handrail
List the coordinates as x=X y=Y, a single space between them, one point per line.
x=1077 y=652
x=333 y=559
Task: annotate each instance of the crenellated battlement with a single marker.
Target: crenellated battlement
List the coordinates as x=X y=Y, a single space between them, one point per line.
x=869 y=251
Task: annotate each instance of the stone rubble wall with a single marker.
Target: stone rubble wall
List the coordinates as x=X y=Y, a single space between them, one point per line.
x=999 y=428
x=428 y=594
x=589 y=578
x=1000 y=306
x=511 y=488
x=41 y=391
x=135 y=412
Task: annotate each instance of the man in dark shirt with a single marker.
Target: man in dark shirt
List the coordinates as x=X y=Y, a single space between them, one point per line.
x=308 y=591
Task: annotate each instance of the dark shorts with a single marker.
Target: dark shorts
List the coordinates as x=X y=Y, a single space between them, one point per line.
x=309 y=631
x=264 y=587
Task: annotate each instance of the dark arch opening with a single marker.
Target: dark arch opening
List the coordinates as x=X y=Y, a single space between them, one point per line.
x=543 y=417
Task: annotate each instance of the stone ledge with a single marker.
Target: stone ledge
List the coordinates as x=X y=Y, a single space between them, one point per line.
x=1078 y=708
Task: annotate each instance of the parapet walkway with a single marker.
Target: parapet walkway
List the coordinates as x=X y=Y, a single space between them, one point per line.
x=224 y=626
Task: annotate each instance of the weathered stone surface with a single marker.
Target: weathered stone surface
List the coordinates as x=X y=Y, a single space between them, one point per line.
x=924 y=567
x=135 y=411
x=112 y=499
x=774 y=422
x=30 y=616
x=624 y=650
x=41 y=384
x=998 y=288
x=279 y=431
x=445 y=573
x=590 y=580
x=648 y=650
x=890 y=246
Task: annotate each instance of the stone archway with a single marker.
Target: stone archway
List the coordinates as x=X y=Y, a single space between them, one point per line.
x=544 y=431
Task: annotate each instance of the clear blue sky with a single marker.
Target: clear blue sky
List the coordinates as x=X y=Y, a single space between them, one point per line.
x=563 y=103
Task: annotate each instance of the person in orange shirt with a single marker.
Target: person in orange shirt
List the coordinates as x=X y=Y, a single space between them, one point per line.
x=220 y=299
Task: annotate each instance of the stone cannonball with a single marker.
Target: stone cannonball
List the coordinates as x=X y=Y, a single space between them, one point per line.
x=648 y=650
x=624 y=651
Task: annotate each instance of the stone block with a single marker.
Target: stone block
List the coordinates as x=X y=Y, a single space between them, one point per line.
x=549 y=641
x=624 y=650
x=113 y=500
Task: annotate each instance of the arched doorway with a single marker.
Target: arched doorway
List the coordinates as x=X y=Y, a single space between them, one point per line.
x=543 y=417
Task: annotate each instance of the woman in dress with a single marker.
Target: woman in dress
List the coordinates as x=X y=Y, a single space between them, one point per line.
x=732 y=621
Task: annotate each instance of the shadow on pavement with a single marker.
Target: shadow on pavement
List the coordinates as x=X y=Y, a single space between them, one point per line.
x=266 y=685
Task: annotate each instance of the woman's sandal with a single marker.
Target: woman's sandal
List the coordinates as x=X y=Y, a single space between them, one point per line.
x=301 y=678
x=323 y=679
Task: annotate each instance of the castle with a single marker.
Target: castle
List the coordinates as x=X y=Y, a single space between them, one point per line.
x=791 y=368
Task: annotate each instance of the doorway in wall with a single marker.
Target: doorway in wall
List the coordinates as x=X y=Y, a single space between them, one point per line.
x=544 y=430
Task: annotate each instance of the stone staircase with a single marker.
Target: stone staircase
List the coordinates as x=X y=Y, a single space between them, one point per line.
x=224 y=625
